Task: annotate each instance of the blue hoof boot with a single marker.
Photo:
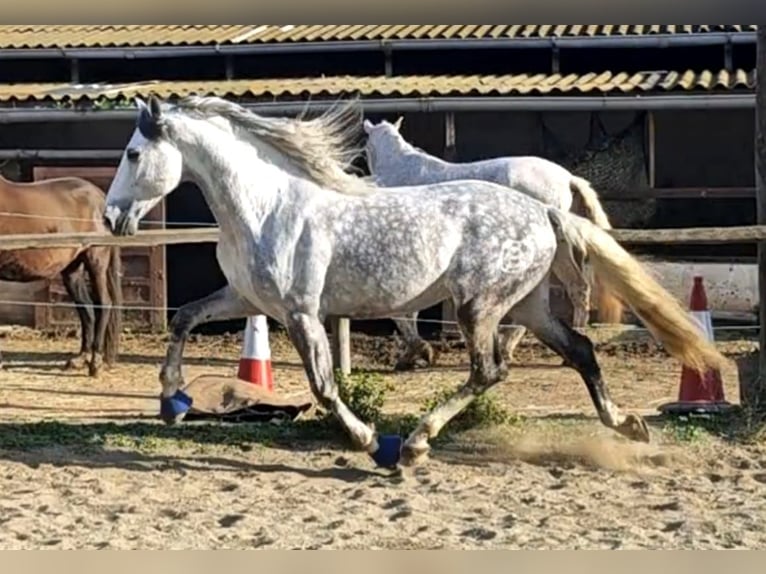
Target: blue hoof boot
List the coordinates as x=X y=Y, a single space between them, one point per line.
x=389 y=451
x=175 y=406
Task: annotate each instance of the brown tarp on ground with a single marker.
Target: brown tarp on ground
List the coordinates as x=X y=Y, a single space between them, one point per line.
x=230 y=399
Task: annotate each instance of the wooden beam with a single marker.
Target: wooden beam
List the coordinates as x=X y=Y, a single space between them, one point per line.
x=680 y=193
x=148 y=238
x=63 y=154
x=154 y=237
x=692 y=235
x=753 y=393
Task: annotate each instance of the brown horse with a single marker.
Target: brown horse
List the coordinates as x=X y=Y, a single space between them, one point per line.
x=62 y=205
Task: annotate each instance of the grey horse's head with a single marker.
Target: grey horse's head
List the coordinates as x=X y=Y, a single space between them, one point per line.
x=382 y=139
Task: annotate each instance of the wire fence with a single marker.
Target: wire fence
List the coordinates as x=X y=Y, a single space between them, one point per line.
x=151 y=308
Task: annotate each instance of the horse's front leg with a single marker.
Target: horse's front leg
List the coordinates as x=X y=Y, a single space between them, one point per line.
x=308 y=335
x=222 y=305
x=417 y=351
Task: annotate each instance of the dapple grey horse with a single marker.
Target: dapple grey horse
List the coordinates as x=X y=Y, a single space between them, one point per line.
x=302 y=240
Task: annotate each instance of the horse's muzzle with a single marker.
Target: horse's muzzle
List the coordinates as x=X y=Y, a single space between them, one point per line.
x=119 y=221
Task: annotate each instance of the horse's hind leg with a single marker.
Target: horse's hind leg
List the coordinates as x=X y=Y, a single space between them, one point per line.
x=478 y=322
x=416 y=349
x=577 y=351
x=75 y=284
x=569 y=267
x=510 y=339
x=97 y=265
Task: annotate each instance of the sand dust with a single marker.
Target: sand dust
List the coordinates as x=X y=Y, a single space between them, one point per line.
x=595 y=452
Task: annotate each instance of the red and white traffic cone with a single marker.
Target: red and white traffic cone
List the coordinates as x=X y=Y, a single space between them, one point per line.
x=255 y=361
x=698 y=393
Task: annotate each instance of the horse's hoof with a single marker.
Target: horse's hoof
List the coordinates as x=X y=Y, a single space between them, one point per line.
x=173 y=409
x=388 y=452
x=635 y=428
x=404 y=365
x=422 y=358
x=414 y=455
x=75 y=364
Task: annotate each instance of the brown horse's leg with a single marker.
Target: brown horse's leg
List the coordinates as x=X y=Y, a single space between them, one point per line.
x=97 y=265
x=77 y=288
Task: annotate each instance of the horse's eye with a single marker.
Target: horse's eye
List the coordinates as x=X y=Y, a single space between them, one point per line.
x=133 y=154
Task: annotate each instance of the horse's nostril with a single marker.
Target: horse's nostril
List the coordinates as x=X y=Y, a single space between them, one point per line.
x=111 y=217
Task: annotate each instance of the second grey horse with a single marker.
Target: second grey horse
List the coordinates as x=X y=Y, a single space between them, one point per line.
x=394 y=162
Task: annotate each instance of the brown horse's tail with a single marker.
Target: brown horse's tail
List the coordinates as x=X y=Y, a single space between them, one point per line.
x=114 y=326
x=610 y=308
x=663 y=315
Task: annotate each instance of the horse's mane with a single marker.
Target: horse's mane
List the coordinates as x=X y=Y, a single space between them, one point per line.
x=323 y=147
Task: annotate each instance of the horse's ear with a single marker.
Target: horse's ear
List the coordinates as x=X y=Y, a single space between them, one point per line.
x=398 y=123
x=154 y=107
x=140 y=104
x=367 y=125
x=149 y=117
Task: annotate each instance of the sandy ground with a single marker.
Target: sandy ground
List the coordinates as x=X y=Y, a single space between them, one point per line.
x=557 y=480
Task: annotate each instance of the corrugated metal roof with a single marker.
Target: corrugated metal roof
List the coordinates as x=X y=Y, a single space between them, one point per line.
x=382 y=86
x=80 y=36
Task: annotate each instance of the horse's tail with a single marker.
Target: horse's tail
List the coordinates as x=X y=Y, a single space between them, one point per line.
x=593 y=208
x=114 y=325
x=610 y=308
x=664 y=316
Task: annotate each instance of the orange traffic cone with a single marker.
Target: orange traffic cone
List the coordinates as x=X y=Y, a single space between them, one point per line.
x=699 y=394
x=255 y=361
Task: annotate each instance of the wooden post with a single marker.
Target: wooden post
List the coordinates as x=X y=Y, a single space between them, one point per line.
x=158 y=285
x=229 y=63
x=340 y=328
x=74 y=71
x=450 y=154
x=388 y=62
x=555 y=59
x=754 y=394
x=651 y=145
